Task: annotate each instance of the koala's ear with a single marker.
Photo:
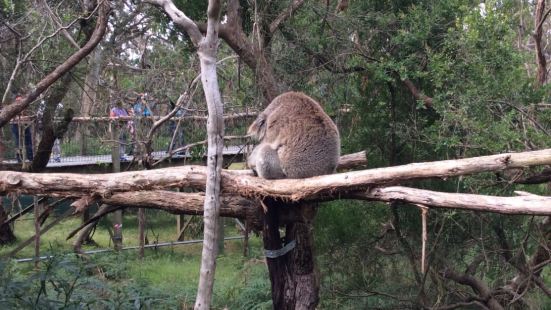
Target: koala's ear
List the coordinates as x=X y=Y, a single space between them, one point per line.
x=261 y=130
x=258 y=127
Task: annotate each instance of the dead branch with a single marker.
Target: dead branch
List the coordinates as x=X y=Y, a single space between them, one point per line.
x=418 y=94
x=87 y=228
x=351 y=161
x=237 y=207
x=479 y=287
x=178 y=203
x=47 y=12
x=543 y=177
x=533 y=204
x=179 y=18
x=284 y=15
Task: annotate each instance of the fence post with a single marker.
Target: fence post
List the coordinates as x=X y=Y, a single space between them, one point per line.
x=36 y=231
x=221 y=222
x=180 y=225
x=115 y=159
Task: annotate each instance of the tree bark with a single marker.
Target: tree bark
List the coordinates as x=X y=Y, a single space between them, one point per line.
x=232 y=33
x=179 y=203
x=541 y=76
x=215 y=129
x=417 y=94
x=6 y=233
x=253 y=56
x=295 y=282
x=207 y=50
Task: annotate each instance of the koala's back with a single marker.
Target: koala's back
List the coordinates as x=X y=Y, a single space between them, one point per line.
x=308 y=140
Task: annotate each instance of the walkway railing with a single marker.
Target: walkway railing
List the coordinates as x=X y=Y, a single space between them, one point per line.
x=91 y=139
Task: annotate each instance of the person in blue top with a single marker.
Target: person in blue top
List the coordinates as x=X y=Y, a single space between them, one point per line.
x=140 y=106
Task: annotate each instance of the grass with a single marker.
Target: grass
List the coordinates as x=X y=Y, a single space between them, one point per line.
x=160 y=227
x=170 y=270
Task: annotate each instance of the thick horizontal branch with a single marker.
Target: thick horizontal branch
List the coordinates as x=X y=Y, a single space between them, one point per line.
x=237 y=207
x=316 y=188
x=248 y=209
x=183 y=203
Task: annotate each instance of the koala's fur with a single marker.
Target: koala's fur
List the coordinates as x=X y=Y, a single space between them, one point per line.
x=297 y=139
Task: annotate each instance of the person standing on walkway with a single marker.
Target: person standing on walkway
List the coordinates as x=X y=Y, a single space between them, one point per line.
x=140 y=106
x=116 y=112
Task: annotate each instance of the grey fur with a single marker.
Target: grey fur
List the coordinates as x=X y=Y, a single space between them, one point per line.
x=297 y=139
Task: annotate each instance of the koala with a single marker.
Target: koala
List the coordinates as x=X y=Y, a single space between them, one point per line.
x=297 y=139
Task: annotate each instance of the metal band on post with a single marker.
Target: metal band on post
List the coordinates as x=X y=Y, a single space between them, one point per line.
x=280 y=252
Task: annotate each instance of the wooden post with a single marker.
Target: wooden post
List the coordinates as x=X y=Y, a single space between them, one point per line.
x=85 y=218
x=141 y=224
x=36 y=232
x=115 y=158
x=117 y=230
x=221 y=235
x=180 y=226
x=246 y=239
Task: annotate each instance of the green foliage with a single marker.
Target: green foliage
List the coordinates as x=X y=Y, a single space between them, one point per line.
x=161 y=281
x=165 y=279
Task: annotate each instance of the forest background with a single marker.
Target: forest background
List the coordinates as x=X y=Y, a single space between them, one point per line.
x=407 y=81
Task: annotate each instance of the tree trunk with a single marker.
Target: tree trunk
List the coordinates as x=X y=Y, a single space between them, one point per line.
x=293 y=275
x=88 y=97
x=50 y=132
x=6 y=233
x=37 y=208
x=541 y=77
x=208 y=47
x=141 y=234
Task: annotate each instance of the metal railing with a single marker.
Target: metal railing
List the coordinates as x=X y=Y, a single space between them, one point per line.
x=91 y=139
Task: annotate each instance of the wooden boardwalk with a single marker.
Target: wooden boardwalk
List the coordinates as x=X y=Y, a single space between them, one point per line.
x=75 y=161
